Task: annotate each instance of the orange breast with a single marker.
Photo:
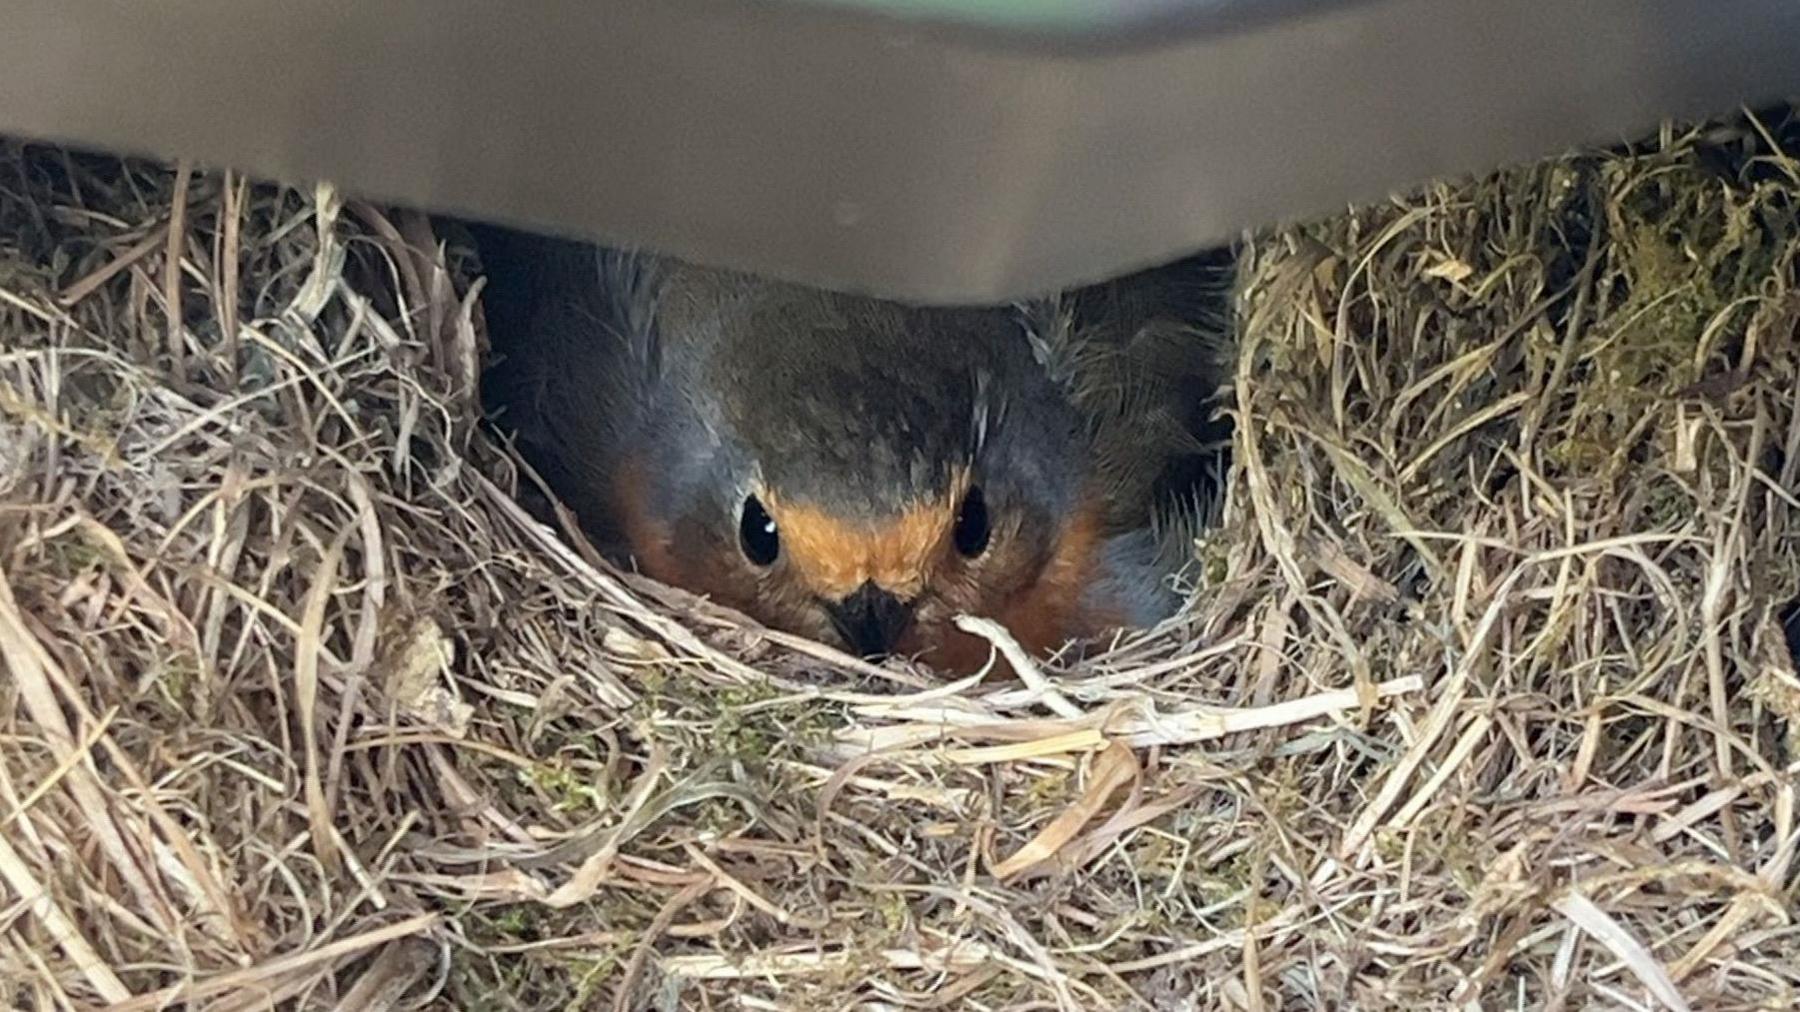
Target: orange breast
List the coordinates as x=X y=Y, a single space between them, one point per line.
x=646 y=536
x=834 y=558
x=1045 y=614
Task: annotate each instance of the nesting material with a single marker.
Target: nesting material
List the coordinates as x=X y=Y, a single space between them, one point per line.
x=1482 y=699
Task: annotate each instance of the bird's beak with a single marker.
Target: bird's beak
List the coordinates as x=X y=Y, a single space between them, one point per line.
x=870 y=619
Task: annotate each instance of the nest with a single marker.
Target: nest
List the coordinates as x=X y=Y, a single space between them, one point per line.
x=1482 y=695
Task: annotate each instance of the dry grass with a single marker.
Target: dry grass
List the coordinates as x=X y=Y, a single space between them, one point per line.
x=1483 y=699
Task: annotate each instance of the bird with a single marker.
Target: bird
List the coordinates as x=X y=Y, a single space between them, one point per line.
x=860 y=470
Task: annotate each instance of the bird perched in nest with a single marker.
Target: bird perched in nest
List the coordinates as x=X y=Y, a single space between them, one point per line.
x=856 y=469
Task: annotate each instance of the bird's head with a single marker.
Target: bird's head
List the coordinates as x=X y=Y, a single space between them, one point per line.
x=864 y=472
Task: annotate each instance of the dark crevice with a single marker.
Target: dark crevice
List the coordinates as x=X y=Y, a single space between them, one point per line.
x=1790 y=626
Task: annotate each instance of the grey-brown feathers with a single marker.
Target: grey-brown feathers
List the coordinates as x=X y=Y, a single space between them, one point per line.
x=668 y=402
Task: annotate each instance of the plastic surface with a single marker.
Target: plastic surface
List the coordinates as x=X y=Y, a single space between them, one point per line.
x=952 y=152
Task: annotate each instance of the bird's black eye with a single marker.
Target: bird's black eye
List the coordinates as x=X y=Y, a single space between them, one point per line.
x=972 y=525
x=757 y=535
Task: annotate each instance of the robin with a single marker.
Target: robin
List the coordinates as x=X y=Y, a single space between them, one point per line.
x=856 y=469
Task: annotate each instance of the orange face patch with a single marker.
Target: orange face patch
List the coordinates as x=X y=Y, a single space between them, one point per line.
x=834 y=557
x=647 y=539
x=1043 y=615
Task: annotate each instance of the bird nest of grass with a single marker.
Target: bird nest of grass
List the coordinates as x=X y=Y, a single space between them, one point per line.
x=1482 y=696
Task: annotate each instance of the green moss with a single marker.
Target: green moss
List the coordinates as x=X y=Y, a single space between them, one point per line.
x=589 y=976
x=517 y=922
x=178 y=678
x=750 y=728
x=1687 y=256
x=538 y=978
x=892 y=909
x=570 y=789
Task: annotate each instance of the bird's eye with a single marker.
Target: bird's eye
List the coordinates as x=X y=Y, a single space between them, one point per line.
x=972 y=525
x=757 y=535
